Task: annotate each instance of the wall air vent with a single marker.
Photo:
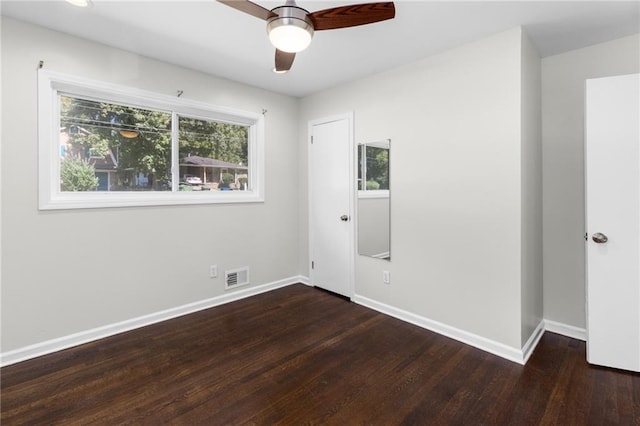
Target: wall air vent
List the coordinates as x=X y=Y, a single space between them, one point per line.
x=236 y=277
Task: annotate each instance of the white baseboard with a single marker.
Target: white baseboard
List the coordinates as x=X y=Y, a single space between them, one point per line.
x=304 y=280
x=64 y=342
x=566 y=330
x=532 y=342
x=519 y=356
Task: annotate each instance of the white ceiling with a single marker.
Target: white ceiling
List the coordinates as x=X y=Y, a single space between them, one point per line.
x=208 y=36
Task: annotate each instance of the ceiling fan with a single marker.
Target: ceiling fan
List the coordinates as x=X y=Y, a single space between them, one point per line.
x=291 y=28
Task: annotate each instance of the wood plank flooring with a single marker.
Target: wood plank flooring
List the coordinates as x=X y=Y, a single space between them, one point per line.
x=299 y=355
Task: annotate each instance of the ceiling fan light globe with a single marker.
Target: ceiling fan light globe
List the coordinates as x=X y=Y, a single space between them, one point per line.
x=290 y=38
x=291 y=30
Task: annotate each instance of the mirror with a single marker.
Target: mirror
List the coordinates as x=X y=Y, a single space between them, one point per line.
x=373 y=200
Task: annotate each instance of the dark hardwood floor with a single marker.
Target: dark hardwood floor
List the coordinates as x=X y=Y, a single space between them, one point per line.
x=299 y=355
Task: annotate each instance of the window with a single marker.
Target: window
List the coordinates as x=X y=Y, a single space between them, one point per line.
x=213 y=155
x=128 y=147
x=373 y=168
x=106 y=146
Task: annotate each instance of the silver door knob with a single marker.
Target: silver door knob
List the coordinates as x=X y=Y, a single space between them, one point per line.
x=344 y=218
x=599 y=238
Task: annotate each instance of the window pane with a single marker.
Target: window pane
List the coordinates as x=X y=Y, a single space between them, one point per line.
x=373 y=167
x=111 y=147
x=213 y=155
x=377 y=169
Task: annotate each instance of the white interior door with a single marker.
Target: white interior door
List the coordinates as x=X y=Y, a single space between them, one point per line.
x=331 y=204
x=613 y=221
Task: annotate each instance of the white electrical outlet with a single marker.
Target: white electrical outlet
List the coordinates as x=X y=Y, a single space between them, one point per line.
x=386 y=277
x=213 y=271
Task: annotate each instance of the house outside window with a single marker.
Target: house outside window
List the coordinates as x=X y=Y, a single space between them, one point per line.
x=213 y=155
x=129 y=146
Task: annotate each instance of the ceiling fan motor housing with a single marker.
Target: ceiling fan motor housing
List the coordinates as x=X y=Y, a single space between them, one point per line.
x=291 y=30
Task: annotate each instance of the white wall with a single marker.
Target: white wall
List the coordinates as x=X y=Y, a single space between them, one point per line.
x=464 y=243
x=563 y=82
x=531 y=187
x=454 y=121
x=69 y=271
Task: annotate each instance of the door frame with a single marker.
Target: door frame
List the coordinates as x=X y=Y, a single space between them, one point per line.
x=349 y=116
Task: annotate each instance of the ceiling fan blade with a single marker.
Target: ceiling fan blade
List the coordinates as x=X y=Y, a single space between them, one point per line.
x=352 y=16
x=248 y=7
x=284 y=60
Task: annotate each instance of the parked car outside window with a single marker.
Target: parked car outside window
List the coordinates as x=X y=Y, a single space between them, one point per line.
x=193 y=180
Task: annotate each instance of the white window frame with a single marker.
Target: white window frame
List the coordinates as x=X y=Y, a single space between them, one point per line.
x=50 y=197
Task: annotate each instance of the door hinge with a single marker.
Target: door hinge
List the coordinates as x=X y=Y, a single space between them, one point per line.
x=312 y=264
x=311 y=139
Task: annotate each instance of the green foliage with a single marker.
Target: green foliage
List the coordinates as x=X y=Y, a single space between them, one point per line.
x=373 y=166
x=227 y=179
x=378 y=166
x=372 y=185
x=211 y=139
x=77 y=175
x=94 y=127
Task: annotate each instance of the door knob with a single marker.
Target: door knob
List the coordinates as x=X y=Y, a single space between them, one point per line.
x=344 y=218
x=599 y=238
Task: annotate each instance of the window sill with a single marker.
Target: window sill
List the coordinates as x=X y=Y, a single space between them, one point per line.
x=95 y=200
x=380 y=193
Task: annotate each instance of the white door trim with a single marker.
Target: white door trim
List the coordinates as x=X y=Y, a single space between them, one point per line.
x=349 y=116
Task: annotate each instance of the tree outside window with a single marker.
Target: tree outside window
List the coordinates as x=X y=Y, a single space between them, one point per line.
x=373 y=167
x=132 y=147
